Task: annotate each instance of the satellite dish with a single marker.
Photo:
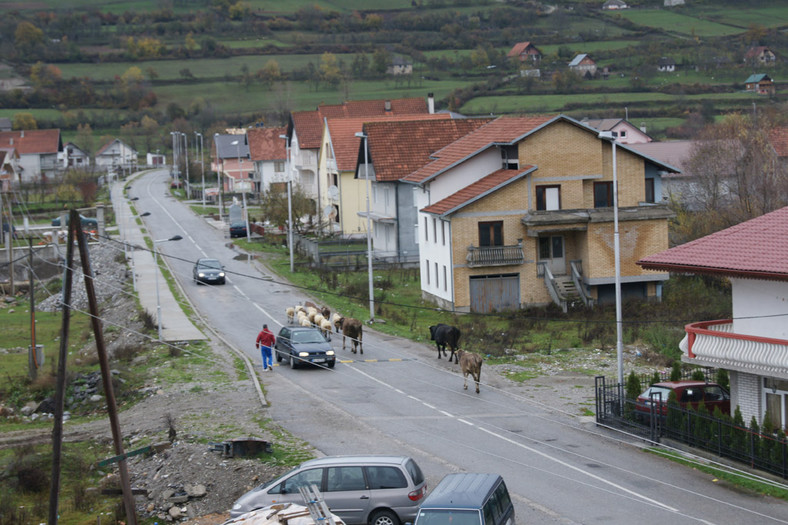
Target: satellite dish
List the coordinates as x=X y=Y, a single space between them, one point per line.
x=328 y=210
x=333 y=193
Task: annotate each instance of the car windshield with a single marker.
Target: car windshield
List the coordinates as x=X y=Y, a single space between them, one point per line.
x=449 y=517
x=656 y=391
x=308 y=336
x=210 y=263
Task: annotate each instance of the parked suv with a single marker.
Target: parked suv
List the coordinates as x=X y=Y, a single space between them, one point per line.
x=688 y=393
x=468 y=499
x=362 y=490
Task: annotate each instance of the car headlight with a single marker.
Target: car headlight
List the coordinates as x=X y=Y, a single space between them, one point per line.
x=221 y=274
x=200 y=274
x=237 y=506
x=303 y=354
x=330 y=352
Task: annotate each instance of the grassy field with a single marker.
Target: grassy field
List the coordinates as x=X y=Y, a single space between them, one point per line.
x=677 y=23
x=557 y=103
x=773 y=16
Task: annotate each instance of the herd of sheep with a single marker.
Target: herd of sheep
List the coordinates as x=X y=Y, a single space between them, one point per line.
x=311 y=315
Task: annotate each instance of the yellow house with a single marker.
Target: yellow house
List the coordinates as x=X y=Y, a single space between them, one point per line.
x=520 y=212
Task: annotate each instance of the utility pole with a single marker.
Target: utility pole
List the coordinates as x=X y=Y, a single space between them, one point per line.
x=60 y=392
x=33 y=354
x=9 y=243
x=106 y=374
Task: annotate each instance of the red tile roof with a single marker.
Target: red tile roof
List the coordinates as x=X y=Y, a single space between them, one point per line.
x=519 y=47
x=265 y=144
x=504 y=130
x=778 y=137
x=309 y=127
x=757 y=248
x=399 y=148
x=309 y=124
x=346 y=144
x=32 y=141
x=482 y=187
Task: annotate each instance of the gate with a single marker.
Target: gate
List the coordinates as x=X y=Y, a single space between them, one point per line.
x=494 y=293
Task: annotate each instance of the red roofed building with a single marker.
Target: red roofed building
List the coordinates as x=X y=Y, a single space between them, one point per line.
x=305 y=132
x=38 y=151
x=395 y=150
x=341 y=195
x=753 y=346
x=519 y=212
x=268 y=153
x=525 y=52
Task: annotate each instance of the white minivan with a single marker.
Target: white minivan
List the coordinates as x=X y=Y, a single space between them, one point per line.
x=362 y=490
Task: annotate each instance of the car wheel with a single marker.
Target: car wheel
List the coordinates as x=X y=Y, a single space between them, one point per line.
x=331 y=364
x=293 y=364
x=383 y=517
x=278 y=356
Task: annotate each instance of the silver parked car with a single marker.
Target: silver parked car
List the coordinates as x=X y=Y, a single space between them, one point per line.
x=362 y=490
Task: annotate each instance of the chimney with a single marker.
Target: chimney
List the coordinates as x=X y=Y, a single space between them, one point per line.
x=643 y=127
x=11 y=141
x=431 y=103
x=22 y=134
x=387 y=106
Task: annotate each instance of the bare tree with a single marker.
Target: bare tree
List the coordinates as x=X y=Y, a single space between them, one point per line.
x=736 y=175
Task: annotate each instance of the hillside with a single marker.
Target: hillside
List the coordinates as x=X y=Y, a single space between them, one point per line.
x=139 y=70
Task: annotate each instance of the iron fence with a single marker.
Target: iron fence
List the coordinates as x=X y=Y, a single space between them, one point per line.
x=722 y=436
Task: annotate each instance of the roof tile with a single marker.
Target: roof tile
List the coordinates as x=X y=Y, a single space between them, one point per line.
x=32 y=141
x=756 y=248
x=265 y=144
x=472 y=192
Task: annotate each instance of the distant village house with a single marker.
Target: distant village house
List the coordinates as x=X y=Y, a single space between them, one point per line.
x=760 y=56
x=666 y=65
x=525 y=52
x=611 y=5
x=583 y=65
x=760 y=83
x=400 y=66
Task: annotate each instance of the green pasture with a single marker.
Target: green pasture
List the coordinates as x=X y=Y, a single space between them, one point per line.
x=253 y=43
x=558 y=103
x=677 y=23
x=774 y=16
x=231 y=97
x=589 y=47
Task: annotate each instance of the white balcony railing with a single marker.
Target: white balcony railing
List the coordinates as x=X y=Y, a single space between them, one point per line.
x=713 y=343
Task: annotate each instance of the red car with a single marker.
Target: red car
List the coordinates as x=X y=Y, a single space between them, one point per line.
x=688 y=393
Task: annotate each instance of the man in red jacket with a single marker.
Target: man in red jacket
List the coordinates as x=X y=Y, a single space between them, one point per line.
x=265 y=341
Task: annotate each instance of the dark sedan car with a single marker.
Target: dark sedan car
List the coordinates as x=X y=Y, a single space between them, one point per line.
x=237 y=229
x=208 y=271
x=303 y=345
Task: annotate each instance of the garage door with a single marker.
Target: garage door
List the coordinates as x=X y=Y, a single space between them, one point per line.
x=495 y=293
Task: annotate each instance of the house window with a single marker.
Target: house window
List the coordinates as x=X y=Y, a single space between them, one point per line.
x=279 y=166
x=443 y=232
x=649 y=190
x=603 y=194
x=428 y=272
x=491 y=233
x=437 y=279
x=622 y=133
x=548 y=198
x=426 y=233
x=435 y=229
x=776 y=400
x=445 y=280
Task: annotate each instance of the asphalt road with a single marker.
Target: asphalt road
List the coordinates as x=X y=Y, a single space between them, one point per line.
x=397 y=398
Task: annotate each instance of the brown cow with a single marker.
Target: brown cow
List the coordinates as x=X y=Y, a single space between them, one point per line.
x=470 y=363
x=352 y=328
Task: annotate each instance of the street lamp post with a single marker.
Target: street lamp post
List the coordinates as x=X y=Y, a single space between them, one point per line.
x=289 y=200
x=186 y=162
x=173 y=172
x=364 y=136
x=202 y=168
x=156 y=273
x=218 y=172
x=617 y=254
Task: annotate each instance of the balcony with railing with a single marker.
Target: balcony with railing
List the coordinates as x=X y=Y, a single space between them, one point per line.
x=495 y=255
x=713 y=343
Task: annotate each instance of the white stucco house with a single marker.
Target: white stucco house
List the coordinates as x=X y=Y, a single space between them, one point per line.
x=753 y=345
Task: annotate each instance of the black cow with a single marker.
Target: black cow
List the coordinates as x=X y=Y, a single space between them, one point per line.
x=443 y=335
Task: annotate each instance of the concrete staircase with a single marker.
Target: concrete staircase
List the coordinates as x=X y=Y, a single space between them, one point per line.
x=567 y=291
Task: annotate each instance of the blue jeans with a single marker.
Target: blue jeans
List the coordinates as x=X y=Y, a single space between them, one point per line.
x=267 y=359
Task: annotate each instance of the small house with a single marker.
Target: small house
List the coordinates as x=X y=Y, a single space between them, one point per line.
x=399 y=66
x=525 y=52
x=666 y=65
x=760 y=56
x=583 y=65
x=760 y=83
x=612 y=5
